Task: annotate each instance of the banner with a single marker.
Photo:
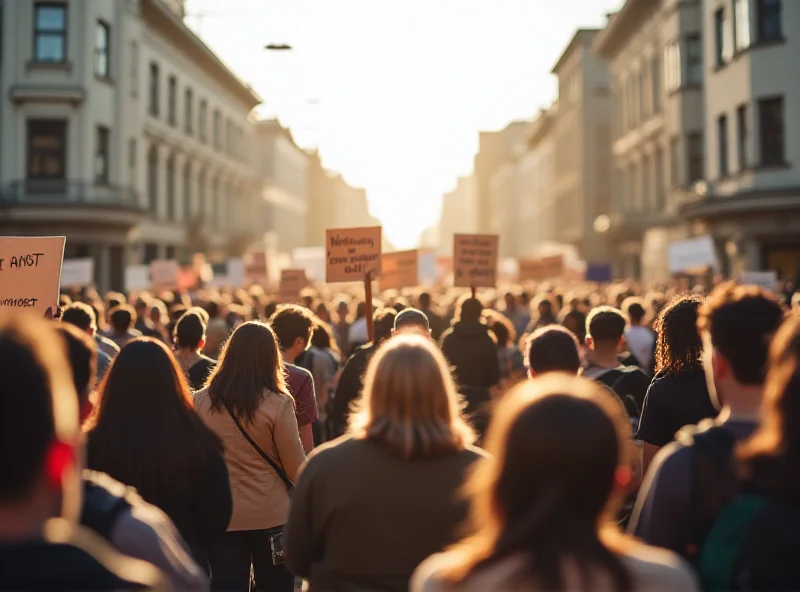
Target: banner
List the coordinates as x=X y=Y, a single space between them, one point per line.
x=352 y=253
x=692 y=256
x=599 y=272
x=137 y=278
x=545 y=268
x=475 y=260
x=764 y=279
x=77 y=273
x=400 y=270
x=30 y=272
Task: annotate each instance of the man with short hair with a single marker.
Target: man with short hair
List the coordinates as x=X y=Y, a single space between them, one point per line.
x=293 y=326
x=121 y=319
x=42 y=547
x=640 y=339
x=436 y=322
x=412 y=319
x=553 y=349
x=736 y=324
x=82 y=316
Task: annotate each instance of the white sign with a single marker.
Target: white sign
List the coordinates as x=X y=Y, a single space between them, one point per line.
x=137 y=277
x=428 y=272
x=695 y=255
x=165 y=274
x=764 y=279
x=312 y=259
x=77 y=273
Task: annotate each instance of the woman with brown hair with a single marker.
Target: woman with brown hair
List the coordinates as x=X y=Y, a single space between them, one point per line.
x=543 y=509
x=145 y=433
x=370 y=506
x=247 y=404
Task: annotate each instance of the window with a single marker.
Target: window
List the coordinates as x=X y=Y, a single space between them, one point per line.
x=189 y=112
x=655 y=81
x=641 y=85
x=152 y=179
x=771 y=123
x=694 y=142
x=172 y=100
x=741 y=125
x=646 y=179
x=659 y=174
x=134 y=69
x=721 y=48
x=217 y=131
x=675 y=162
x=741 y=24
x=202 y=124
x=229 y=136
x=101 y=156
x=187 y=191
x=132 y=162
x=201 y=194
x=102 y=49
x=215 y=210
x=672 y=66
x=171 y=187
x=722 y=139
x=770 y=20
x=47 y=153
x=154 y=98
x=694 y=60
x=50 y=32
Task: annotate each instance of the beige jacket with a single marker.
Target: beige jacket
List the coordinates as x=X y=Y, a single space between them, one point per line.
x=260 y=499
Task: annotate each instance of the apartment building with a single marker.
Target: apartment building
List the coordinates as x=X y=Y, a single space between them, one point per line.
x=581 y=132
x=654 y=52
x=124 y=132
x=459 y=213
x=750 y=198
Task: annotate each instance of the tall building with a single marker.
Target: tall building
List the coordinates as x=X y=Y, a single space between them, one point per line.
x=459 y=213
x=654 y=51
x=582 y=146
x=750 y=198
x=321 y=201
x=122 y=131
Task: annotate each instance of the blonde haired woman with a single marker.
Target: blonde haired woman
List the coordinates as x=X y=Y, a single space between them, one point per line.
x=370 y=506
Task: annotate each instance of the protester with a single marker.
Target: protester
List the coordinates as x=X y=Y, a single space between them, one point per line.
x=322 y=360
x=641 y=340
x=368 y=508
x=341 y=328
x=83 y=317
x=143 y=323
x=512 y=366
x=145 y=433
x=350 y=383
x=189 y=338
x=121 y=319
x=293 y=326
x=435 y=321
x=673 y=510
x=247 y=403
x=553 y=349
x=357 y=334
x=544 y=314
x=519 y=317
x=159 y=317
x=471 y=351
x=41 y=545
x=679 y=395
x=540 y=511
x=217 y=330
x=411 y=320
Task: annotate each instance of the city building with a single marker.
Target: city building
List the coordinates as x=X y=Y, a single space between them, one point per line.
x=284 y=172
x=459 y=213
x=122 y=131
x=581 y=132
x=749 y=200
x=321 y=201
x=654 y=52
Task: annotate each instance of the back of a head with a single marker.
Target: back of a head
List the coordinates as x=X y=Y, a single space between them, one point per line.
x=502 y=328
x=740 y=321
x=678 y=344
x=411 y=319
x=470 y=310
x=80 y=315
x=424 y=300
x=606 y=325
x=634 y=308
x=114 y=299
x=190 y=330
x=82 y=355
x=121 y=318
x=383 y=323
x=38 y=399
x=410 y=402
x=290 y=323
x=553 y=349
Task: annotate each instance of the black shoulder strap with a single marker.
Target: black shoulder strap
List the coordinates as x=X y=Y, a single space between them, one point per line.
x=275 y=467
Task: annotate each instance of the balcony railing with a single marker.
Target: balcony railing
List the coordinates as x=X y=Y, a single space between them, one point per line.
x=58 y=192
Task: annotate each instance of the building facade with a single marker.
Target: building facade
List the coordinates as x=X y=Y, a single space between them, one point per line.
x=459 y=213
x=122 y=131
x=581 y=132
x=750 y=198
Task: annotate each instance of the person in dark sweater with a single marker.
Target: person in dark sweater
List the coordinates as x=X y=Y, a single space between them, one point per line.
x=471 y=351
x=145 y=433
x=190 y=338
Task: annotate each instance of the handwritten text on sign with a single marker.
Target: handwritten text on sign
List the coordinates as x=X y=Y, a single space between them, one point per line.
x=351 y=253
x=400 y=270
x=30 y=272
x=475 y=260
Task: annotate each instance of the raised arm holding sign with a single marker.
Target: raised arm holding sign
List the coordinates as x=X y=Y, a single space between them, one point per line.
x=30 y=272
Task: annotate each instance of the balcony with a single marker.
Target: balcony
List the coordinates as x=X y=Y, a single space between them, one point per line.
x=31 y=201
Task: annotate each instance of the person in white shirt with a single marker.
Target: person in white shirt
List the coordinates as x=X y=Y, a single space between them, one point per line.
x=640 y=339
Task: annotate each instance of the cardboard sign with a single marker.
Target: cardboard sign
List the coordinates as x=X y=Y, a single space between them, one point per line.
x=293 y=281
x=77 y=273
x=137 y=278
x=764 y=279
x=692 y=256
x=475 y=260
x=400 y=270
x=165 y=274
x=30 y=272
x=256 y=267
x=352 y=253
x=541 y=269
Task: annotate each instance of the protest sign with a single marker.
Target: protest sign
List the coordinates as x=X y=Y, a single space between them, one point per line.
x=764 y=279
x=30 y=272
x=77 y=273
x=400 y=270
x=256 y=267
x=475 y=260
x=545 y=268
x=165 y=274
x=137 y=278
x=293 y=281
x=692 y=256
x=352 y=253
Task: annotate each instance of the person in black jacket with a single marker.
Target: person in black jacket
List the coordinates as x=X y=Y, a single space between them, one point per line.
x=470 y=349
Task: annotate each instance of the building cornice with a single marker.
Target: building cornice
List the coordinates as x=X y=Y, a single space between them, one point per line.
x=622 y=25
x=577 y=39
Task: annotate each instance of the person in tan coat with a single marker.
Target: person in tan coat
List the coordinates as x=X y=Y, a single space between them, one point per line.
x=248 y=388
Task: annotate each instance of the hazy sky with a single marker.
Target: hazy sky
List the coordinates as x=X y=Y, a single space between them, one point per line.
x=394 y=92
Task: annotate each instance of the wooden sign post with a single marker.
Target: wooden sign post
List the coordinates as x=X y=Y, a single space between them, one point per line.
x=475 y=261
x=354 y=255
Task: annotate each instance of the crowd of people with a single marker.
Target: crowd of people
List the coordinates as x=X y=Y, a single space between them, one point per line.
x=567 y=437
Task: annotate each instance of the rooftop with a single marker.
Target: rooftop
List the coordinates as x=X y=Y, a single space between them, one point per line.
x=581 y=37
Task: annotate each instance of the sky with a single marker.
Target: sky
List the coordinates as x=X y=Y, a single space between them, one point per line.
x=394 y=92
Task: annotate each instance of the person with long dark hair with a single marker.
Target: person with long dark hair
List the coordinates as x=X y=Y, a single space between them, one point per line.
x=679 y=394
x=542 y=509
x=247 y=403
x=145 y=433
